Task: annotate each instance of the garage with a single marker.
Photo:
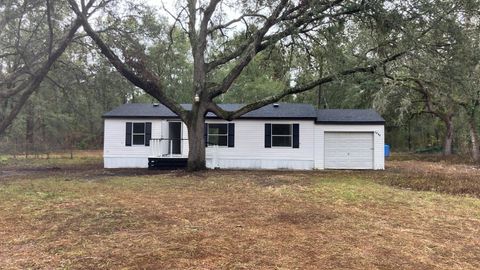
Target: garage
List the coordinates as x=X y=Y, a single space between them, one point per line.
x=349 y=150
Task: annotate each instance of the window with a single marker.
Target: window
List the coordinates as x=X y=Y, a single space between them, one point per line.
x=282 y=135
x=138 y=134
x=218 y=134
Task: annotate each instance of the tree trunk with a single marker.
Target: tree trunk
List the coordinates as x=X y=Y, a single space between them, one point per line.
x=196 y=145
x=319 y=97
x=15 y=149
x=29 y=127
x=474 y=139
x=409 y=135
x=448 y=140
x=196 y=140
x=320 y=90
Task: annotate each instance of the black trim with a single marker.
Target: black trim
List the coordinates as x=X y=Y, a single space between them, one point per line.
x=148 y=133
x=205 y=134
x=208 y=117
x=167 y=163
x=351 y=123
x=296 y=135
x=256 y=118
x=139 y=117
x=231 y=135
x=128 y=134
x=268 y=135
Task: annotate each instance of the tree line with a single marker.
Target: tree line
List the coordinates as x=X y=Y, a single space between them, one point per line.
x=64 y=63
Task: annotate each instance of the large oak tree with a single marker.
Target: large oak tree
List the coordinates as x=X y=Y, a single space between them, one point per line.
x=33 y=36
x=222 y=47
x=440 y=76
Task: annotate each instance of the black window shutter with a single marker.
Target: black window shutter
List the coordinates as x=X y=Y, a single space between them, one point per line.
x=128 y=134
x=148 y=133
x=268 y=135
x=231 y=135
x=205 y=134
x=296 y=137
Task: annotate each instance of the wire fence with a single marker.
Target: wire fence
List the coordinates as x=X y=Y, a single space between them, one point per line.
x=16 y=148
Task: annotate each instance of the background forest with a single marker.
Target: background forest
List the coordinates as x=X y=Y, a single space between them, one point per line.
x=429 y=97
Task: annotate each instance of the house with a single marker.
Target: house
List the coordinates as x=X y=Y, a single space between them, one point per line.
x=276 y=136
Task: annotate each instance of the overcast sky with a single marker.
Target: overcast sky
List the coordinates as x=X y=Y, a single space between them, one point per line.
x=171 y=6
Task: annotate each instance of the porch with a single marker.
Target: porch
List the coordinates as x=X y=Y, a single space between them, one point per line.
x=172 y=153
x=167 y=154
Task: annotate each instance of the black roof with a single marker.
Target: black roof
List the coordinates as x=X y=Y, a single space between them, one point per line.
x=282 y=111
x=346 y=116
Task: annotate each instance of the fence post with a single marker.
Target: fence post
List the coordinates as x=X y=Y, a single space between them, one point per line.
x=71 y=146
x=15 y=149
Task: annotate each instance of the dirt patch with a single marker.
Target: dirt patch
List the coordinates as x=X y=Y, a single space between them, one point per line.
x=435 y=168
x=417 y=174
x=116 y=219
x=462 y=179
x=81 y=171
x=10 y=173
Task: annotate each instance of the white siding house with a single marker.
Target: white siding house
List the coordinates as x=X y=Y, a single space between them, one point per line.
x=285 y=136
x=250 y=152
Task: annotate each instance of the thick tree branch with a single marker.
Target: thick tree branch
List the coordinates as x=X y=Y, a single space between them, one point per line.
x=299 y=15
x=249 y=53
x=219 y=27
x=207 y=15
x=261 y=42
x=50 y=27
x=227 y=115
x=192 y=21
x=148 y=82
x=31 y=85
x=199 y=46
x=429 y=103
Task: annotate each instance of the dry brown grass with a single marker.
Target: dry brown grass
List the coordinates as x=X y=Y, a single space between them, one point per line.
x=84 y=217
x=440 y=176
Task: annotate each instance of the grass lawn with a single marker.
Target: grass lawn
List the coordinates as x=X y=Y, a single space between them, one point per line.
x=74 y=214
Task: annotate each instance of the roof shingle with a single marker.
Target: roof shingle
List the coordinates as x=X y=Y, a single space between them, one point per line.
x=345 y=116
x=283 y=111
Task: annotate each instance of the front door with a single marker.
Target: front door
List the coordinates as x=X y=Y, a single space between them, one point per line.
x=175 y=136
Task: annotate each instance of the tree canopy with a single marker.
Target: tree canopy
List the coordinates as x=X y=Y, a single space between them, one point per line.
x=411 y=60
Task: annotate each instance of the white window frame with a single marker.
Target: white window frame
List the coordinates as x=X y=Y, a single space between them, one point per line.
x=218 y=135
x=144 y=133
x=290 y=135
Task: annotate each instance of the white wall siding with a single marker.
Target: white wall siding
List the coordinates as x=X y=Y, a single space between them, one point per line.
x=185 y=140
x=125 y=162
x=263 y=164
x=116 y=154
x=250 y=152
x=378 y=142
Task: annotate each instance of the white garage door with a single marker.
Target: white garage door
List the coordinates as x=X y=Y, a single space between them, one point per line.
x=348 y=150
